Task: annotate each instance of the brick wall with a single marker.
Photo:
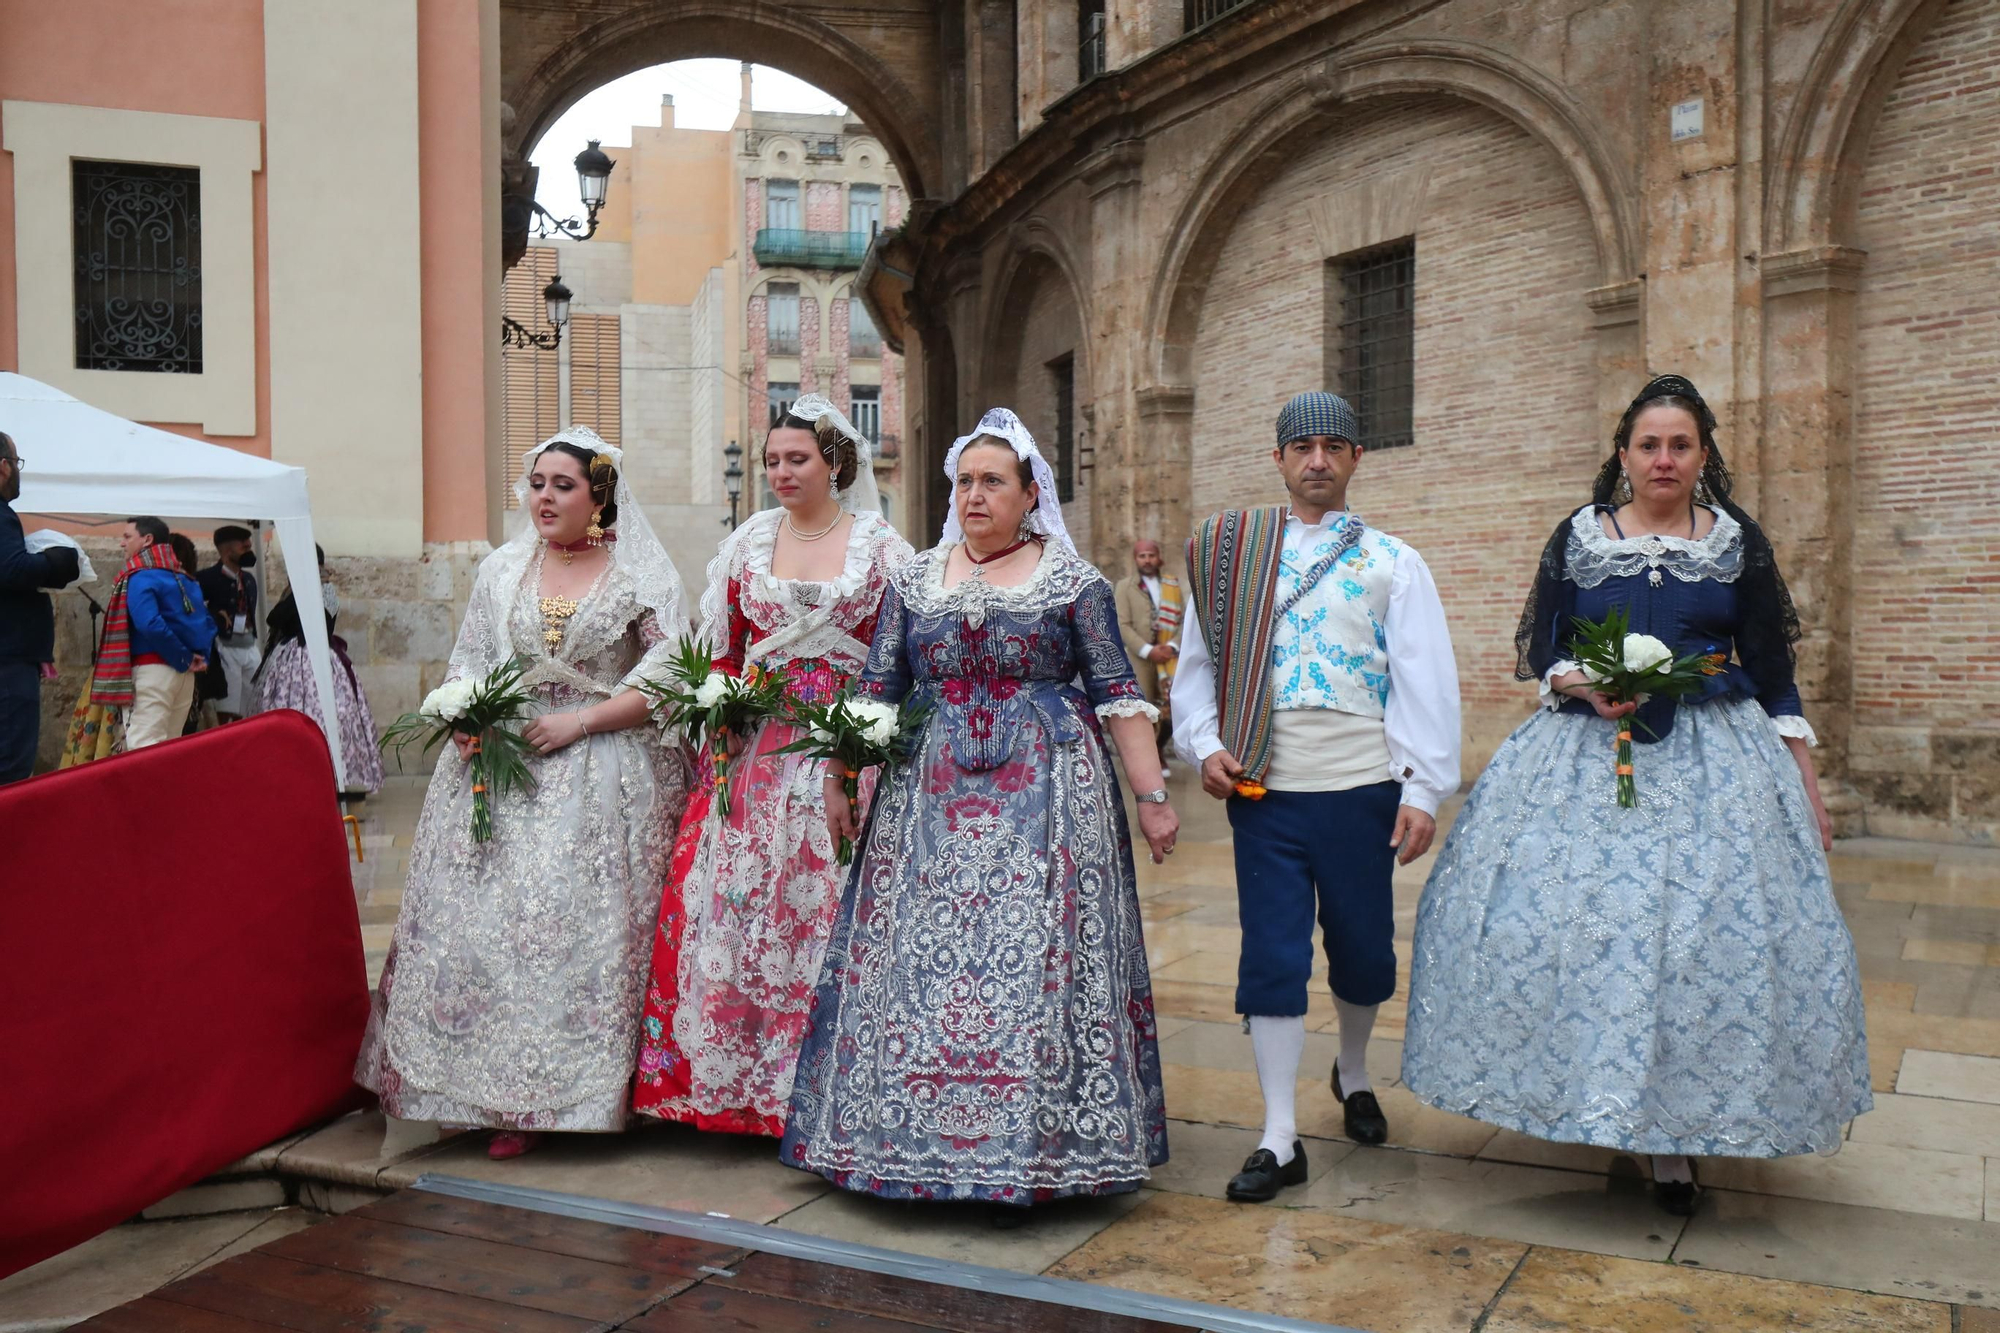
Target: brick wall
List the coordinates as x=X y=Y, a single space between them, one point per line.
x=753 y=220
x=1506 y=430
x=1926 y=742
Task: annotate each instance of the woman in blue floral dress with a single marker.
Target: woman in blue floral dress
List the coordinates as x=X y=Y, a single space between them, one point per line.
x=983 y=1026
x=1674 y=979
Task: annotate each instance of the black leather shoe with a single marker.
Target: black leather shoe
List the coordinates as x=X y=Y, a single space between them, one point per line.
x=1261 y=1177
x=1362 y=1113
x=1677 y=1197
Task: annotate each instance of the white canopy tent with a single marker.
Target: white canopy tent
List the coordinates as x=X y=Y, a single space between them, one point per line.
x=81 y=460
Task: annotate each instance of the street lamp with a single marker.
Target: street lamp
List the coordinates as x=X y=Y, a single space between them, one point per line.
x=593 y=181
x=732 y=478
x=556 y=297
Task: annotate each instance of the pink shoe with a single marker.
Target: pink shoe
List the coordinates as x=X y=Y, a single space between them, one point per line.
x=511 y=1143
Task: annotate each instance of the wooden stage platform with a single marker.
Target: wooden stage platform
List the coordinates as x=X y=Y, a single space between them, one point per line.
x=459 y=1256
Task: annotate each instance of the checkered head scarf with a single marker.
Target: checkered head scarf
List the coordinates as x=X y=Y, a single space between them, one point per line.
x=1317 y=413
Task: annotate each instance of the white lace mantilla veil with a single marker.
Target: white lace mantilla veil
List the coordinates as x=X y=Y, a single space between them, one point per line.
x=1047 y=519
x=861 y=497
x=637 y=554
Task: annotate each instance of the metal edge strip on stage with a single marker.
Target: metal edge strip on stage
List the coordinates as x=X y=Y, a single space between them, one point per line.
x=725 y=1230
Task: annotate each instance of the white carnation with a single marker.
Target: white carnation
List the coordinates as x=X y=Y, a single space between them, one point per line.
x=449 y=701
x=1643 y=652
x=881 y=731
x=820 y=735
x=709 y=693
x=871 y=711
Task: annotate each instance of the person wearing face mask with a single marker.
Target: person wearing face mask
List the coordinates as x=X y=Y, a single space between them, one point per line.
x=750 y=897
x=284 y=679
x=1318 y=694
x=27 y=623
x=983 y=1027
x=1676 y=978
x=230 y=590
x=512 y=992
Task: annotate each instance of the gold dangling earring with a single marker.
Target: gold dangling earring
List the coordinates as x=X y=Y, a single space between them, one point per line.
x=594 y=534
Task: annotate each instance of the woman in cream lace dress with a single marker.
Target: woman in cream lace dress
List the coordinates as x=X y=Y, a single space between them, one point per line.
x=512 y=991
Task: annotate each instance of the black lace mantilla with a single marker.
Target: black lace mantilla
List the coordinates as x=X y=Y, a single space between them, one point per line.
x=1770 y=623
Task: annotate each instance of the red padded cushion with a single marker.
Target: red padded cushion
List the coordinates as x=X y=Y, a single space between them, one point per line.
x=181 y=974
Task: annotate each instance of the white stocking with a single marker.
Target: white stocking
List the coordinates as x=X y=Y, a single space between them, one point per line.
x=1278 y=1044
x=1356 y=1022
x=1672 y=1170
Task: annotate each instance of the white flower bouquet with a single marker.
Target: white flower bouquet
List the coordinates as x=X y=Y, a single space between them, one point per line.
x=851 y=734
x=1628 y=668
x=708 y=705
x=479 y=708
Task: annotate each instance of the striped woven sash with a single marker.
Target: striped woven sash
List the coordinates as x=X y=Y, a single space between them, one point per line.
x=1233 y=564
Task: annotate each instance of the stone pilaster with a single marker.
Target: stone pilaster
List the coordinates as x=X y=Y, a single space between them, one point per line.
x=1806 y=483
x=1132 y=480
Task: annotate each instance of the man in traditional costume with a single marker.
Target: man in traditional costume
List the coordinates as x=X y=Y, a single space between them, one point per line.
x=1319 y=697
x=1149 y=620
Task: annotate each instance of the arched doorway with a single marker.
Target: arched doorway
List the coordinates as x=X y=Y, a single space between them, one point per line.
x=1040 y=368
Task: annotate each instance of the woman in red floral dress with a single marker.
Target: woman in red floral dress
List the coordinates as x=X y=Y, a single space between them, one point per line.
x=750 y=898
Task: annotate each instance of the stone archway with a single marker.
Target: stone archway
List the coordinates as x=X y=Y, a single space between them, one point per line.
x=1038 y=363
x=885 y=71
x=1320 y=99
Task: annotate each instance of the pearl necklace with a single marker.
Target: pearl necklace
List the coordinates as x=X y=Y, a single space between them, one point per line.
x=793 y=528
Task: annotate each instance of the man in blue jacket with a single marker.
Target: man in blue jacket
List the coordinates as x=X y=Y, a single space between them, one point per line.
x=171 y=633
x=27 y=624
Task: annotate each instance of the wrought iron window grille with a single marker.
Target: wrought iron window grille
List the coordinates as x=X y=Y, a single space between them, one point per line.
x=1374 y=315
x=1195 y=13
x=137 y=245
x=1063 y=371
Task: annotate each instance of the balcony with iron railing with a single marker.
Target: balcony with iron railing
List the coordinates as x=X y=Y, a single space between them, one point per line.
x=786 y=247
x=1196 y=13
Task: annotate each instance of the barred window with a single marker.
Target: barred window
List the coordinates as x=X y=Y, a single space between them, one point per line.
x=783 y=299
x=1371 y=313
x=1062 y=371
x=137 y=233
x=1195 y=13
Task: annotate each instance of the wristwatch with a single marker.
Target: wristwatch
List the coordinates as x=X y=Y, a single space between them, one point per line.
x=1151 y=797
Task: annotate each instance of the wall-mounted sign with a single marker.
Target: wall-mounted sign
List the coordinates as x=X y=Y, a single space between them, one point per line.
x=1687 y=120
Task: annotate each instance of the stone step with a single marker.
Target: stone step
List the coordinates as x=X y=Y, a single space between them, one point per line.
x=330 y=1169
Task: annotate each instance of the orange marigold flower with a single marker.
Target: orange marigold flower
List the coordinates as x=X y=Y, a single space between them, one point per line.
x=1250 y=790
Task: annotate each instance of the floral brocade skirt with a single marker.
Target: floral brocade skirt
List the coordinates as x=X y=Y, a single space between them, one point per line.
x=983 y=1027
x=287 y=682
x=744 y=920
x=1675 y=978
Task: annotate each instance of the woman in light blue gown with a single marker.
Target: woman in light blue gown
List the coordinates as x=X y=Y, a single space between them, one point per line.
x=1674 y=979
